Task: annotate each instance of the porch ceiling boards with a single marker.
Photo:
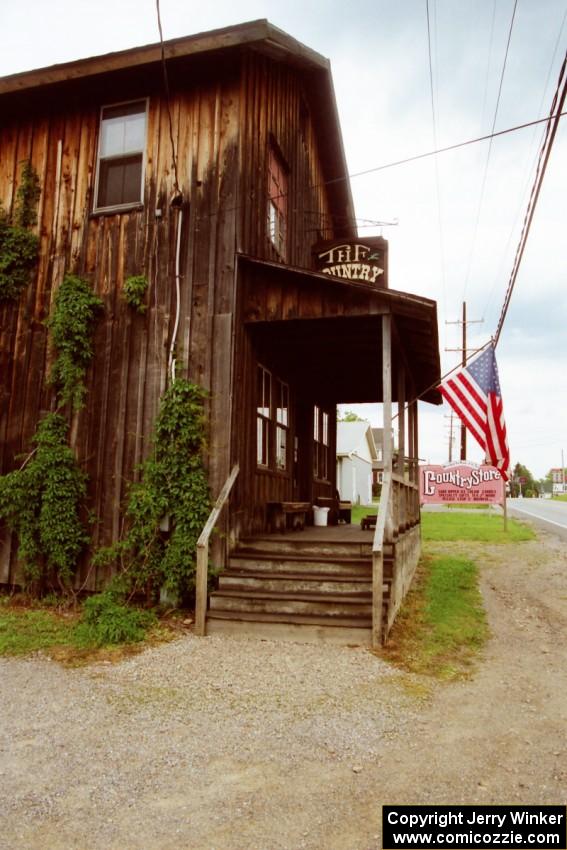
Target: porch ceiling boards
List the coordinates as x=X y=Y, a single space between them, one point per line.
x=326 y=332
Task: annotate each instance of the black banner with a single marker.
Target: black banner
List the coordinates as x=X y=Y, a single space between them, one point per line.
x=480 y=827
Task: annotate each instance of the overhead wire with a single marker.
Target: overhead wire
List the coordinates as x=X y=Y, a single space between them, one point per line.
x=556 y=107
x=408 y=159
x=529 y=171
x=167 y=98
x=488 y=154
x=436 y=161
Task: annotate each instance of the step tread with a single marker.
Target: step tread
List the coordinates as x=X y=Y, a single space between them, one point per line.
x=298 y=619
x=299 y=596
x=270 y=555
x=314 y=575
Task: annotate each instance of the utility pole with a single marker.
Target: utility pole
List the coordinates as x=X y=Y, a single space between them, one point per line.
x=464 y=351
x=451 y=437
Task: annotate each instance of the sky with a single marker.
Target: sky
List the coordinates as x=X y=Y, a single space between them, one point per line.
x=453 y=221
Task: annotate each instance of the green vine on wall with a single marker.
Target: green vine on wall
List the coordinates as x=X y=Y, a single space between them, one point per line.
x=71 y=322
x=18 y=245
x=173 y=484
x=40 y=503
x=135 y=289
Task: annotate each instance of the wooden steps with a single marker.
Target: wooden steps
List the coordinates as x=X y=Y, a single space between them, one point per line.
x=299 y=590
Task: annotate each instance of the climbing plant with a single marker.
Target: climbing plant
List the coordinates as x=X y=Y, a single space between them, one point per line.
x=71 y=323
x=40 y=503
x=135 y=288
x=173 y=484
x=18 y=245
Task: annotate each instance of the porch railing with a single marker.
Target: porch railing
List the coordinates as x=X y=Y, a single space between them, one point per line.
x=398 y=511
x=202 y=574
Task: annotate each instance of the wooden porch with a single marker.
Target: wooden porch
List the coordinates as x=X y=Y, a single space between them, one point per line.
x=338 y=584
x=323 y=583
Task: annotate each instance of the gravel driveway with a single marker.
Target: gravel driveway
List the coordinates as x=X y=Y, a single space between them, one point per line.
x=226 y=744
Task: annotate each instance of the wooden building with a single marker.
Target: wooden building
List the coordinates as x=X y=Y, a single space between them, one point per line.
x=222 y=180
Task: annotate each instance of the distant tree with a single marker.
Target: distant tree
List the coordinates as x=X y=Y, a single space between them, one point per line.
x=527 y=485
x=350 y=416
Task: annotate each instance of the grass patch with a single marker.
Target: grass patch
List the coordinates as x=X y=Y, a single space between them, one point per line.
x=442 y=625
x=481 y=527
x=23 y=631
x=359 y=511
x=103 y=630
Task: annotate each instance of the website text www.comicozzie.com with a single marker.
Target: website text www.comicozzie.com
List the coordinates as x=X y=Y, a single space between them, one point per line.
x=480 y=827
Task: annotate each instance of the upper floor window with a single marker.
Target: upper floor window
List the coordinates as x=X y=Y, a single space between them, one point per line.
x=120 y=166
x=277 y=202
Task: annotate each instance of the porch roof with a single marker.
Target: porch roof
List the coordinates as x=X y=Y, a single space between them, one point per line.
x=325 y=333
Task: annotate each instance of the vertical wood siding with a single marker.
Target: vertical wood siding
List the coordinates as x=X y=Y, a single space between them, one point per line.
x=222 y=124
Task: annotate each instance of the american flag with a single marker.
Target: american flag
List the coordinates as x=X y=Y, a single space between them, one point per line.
x=474 y=394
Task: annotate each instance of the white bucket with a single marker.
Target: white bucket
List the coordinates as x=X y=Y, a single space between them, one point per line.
x=320 y=515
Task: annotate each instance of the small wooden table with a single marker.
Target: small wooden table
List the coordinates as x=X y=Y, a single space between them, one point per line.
x=368 y=521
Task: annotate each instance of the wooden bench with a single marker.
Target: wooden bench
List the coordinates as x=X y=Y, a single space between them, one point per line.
x=282 y=516
x=368 y=521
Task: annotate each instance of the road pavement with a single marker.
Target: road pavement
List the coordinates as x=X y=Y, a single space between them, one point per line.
x=550 y=515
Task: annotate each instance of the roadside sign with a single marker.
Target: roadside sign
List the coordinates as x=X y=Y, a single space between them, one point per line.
x=460 y=482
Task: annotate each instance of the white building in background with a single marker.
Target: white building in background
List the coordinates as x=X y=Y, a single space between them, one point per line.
x=356 y=452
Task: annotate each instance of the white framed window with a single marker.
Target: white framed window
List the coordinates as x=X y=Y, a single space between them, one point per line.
x=282 y=424
x=120 y=161
x=272 y=421
x=320 y=444
x=277 y=202
x=263 y=416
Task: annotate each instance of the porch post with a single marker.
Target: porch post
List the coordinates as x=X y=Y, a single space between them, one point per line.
x=401 y=419
x=411 y=442
x=387 y=388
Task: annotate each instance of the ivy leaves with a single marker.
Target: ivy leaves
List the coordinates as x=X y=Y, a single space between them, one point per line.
x=18 y=245
x=173 y=484
x=40 y=502
x=74 y=311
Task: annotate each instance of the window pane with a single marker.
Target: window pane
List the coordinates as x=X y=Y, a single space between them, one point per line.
x=120 y=181
x=315 y=423
x=281 y=448
x=262 y=441
x=123 y=129
x=282 y=414
x=326 y=429
x=134 y=132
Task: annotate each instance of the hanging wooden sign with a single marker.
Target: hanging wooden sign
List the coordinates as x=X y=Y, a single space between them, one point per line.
x=363 y=260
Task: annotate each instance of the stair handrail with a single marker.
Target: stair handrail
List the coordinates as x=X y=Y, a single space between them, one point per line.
x=202 y=570
x=378 y=557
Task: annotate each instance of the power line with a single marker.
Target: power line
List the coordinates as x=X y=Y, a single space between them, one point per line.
x=440 y=150
x=409 y=159
x=167 y=100
x=530 y=168
x=435 y=142
x=485 y=175
x=558 y=103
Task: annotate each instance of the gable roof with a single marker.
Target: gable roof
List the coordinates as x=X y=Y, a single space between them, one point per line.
x=259 y=36
x=351 y=436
